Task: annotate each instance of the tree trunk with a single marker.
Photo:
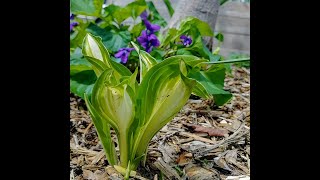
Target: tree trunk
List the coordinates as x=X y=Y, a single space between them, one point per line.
x=205 y=10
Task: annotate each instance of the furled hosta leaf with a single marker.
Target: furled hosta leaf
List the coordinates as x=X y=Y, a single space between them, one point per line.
x=86 y=7
x=115 y=103
x=103 y=131
x=170 y=90
x=93 y=47
x=98 y=56
x=145 y=59
x=213 y=81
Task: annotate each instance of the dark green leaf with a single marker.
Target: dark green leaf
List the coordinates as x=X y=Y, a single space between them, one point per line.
x=137 y=29
x=82 y=82
x=86 y=7
x=220 y=37
x=113 y=40
x=213 y=81
x=78 y=64
x=191 y=23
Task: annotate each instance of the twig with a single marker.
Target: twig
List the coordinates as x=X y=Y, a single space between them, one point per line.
x=246 y=99
x=186 y=134
x=76 y=140
x=87 y=129
x=97 y=158
x=221 y=142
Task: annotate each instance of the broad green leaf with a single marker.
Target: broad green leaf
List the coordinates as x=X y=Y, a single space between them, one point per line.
x=170 y=37
x=78 y=64
x=191 y=23
x=169 y=7
x=201 y=91
x=82 y=82
x=198 y=48
x=136 y=8
x=113 y=40
x=86 y=7
x=157 y=53
x=76 y=38
x=120 y=14
x=137 y=29
x=213 y=81
x=184 y=51
x=156 y=18
x=103 y=130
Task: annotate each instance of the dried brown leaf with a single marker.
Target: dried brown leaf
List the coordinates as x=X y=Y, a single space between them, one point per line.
x=210 y=130
x=184 y=159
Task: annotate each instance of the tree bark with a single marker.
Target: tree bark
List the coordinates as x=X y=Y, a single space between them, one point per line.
x=205 y=10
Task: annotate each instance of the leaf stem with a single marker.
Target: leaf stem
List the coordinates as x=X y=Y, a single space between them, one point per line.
x=229 y=61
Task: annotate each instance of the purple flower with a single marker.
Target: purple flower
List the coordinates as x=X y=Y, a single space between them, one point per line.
x=148 y=41
x=152 y=28
x=71 y=16
x=123 y=53
x=186 y=40
x=72 y=25
x=144 y=15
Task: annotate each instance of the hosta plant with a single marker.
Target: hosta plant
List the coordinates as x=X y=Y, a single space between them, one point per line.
x=136 y=110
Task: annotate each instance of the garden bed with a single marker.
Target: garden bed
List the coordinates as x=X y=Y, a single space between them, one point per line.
x=202 y=142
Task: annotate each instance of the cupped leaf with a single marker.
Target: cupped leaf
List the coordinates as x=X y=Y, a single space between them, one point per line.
x=114 y=101
x=170 y=90
x=103 y=130
x=145 y=59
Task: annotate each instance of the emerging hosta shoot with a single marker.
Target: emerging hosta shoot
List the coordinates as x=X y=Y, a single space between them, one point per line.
x=136 y=111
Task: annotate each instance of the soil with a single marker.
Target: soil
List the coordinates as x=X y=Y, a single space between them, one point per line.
x=183 y=149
